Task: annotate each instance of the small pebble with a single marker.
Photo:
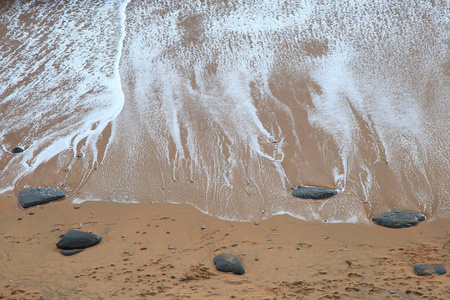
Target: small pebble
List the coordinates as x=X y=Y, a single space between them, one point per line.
x=201 y=264
x=392 y=292
x=203 y=227
x=256 y=223
x=244 y=254
x=171 y=248
x=19 y=219
x=17 y=150
x=268 y=239
x=298 y=248
x=234 y=245
x=31 y=213
x=123 y=236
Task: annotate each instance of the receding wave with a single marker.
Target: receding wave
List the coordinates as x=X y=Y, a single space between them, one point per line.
x=228 y=104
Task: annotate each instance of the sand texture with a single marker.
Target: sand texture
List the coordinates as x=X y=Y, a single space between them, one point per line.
x=160 y=251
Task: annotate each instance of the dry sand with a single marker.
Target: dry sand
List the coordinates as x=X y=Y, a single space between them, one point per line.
x=165 y=254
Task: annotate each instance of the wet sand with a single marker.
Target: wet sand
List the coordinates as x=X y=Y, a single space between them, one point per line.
x=159 y=251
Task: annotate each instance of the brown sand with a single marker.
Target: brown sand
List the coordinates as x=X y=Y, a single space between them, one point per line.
x=335 y=261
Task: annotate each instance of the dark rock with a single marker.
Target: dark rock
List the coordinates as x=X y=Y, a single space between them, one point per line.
x=313 y=192
x=448 y=242
x=17 y=150
x=399 y=219
x=75 y=239
x=39 y=195
x=229 y=263
x=71 y=252
x=429 y=270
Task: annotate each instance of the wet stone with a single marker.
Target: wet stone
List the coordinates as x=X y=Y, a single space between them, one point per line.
x=17 y=150
x=71 y=252
x=399 y=219
x=429 y=270
x=313 y=192
x=39 y=195
x=75 y=239
x=226 y=262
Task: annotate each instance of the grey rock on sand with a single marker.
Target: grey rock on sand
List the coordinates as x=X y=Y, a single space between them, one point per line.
x=313 y=192
x=429 y=270
x=226 y=262
x=399 y=219
x=75 y=239
x=39 y=195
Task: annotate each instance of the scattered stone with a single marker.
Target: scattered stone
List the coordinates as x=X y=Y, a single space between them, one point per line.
x=17 y=150
x=203 y=227
x=313 y=192
x=201 y=264
x=298 y=248
x=76 y=207
x=171 y=248
x=226 y=262
x=39 y=195
x=31 y=213
x=19 y=219
x=268 y=239
x=399 y=219
x=256 y=223
x=429 y=270
x=75 y=239
x=71 y=252
x=234 y=245
x=124 y=236
x=392 y=292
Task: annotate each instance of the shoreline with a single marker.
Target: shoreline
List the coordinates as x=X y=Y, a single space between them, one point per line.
x=166 y=254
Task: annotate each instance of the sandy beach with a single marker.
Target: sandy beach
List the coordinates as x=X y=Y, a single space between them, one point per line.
x=160 y=251
x=223 y=107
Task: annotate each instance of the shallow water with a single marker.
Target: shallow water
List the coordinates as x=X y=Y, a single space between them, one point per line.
x=227 y=104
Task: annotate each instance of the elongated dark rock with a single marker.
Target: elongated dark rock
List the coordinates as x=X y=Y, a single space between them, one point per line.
x=226 y=262
x=39 y=195
x=75 y=239
x=71 y=252
x=17 y=150
x=429 y=270
x=313 y=192
x=399 y=219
